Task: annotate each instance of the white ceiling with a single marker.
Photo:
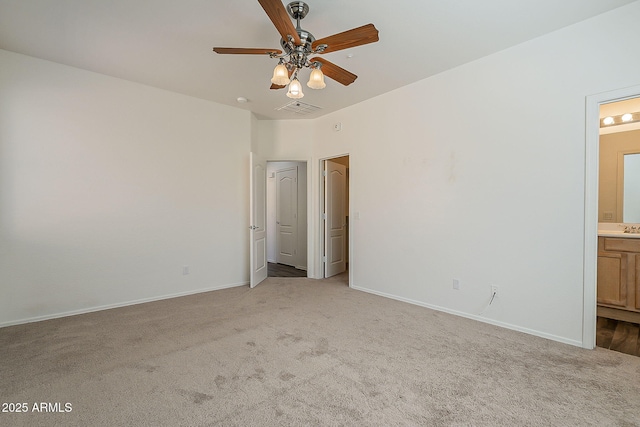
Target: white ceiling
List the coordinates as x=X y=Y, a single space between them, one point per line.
x=168 y=43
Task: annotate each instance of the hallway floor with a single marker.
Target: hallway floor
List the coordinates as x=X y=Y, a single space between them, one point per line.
x=281 y=270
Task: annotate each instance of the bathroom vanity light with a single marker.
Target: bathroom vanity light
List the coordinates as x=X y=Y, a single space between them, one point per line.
x=621 y=119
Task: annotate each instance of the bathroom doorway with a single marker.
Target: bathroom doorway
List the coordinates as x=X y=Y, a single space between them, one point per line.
x=618 y=253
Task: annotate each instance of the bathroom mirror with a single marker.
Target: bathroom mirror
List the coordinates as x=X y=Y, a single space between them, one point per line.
x=619 y=180
x=631 y=188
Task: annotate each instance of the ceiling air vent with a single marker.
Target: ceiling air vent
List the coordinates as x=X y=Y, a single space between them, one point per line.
x=299 y=107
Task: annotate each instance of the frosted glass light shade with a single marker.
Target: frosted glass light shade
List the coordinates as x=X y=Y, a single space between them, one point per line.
x=316 y=79
x=295 y=89
x=280 y=75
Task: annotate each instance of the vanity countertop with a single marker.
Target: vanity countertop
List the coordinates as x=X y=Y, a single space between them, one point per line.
x=619 y=234
x=616 y=230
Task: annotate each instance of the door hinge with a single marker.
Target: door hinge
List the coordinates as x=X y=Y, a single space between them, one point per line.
x=324 y=259
x=324 y=216
x=324 y=173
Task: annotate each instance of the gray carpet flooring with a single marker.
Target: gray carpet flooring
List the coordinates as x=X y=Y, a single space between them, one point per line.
x=296 y=351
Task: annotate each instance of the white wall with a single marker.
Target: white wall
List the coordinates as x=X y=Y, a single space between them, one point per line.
x=631 y=203
x=108 y=188
x=284 y=140
x=478 y=174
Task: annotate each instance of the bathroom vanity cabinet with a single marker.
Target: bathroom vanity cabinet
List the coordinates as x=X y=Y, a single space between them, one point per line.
x=619 y=278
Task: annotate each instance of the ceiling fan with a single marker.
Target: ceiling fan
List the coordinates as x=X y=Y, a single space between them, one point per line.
x=299 y=45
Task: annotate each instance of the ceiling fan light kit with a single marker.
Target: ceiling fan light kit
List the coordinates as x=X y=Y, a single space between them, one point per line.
x=280 y=75
x=316 y=79
x=295 y=89
x=298 y=45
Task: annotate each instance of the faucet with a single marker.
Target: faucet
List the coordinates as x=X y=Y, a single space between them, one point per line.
x=630 y=229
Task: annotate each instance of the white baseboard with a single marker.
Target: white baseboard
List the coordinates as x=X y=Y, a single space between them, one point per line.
x=117 y=305
x=474 y=317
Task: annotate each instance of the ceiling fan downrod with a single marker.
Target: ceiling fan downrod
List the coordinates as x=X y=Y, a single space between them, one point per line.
x=298 y=54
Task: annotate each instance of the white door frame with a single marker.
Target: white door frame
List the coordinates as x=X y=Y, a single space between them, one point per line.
x=592 y=154
x=320 y=227
x=311 y=265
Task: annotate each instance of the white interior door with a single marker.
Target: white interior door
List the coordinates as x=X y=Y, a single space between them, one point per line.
x=258 y=219
x=335 y=214
x=287 y=216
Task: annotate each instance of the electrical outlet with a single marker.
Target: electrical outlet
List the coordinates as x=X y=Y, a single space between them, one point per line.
x=494 y=290
x=456 y=284
x=185 y=270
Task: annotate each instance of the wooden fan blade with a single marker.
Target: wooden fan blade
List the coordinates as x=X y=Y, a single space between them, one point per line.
x=274 y=86
x=245 y=51
x=280 y=18
x=351 y=38
x=334 y=72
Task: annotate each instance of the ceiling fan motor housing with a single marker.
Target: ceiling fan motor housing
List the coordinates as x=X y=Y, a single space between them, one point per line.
x=298 y=44
x=305 y=37
x=298 y=54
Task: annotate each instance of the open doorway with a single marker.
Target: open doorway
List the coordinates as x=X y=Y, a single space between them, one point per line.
x=286 y=217
x=334 y=212
x=618 y=258
x=590 y=253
